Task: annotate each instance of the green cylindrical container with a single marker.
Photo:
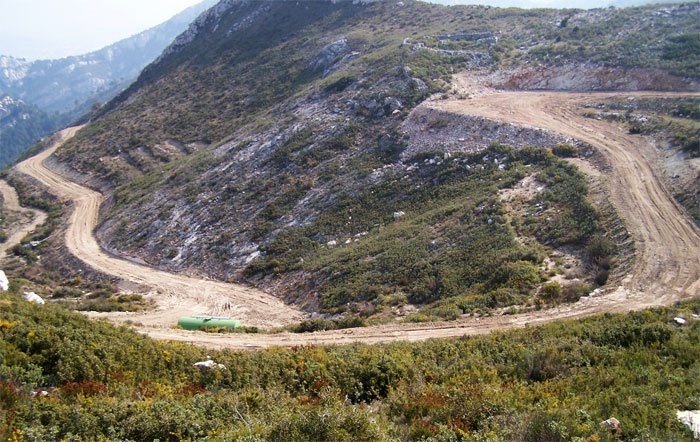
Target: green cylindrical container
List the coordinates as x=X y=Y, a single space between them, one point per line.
x=195 y=322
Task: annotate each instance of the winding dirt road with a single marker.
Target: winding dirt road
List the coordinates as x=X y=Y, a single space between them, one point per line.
x=176 y=295
x=667 y=267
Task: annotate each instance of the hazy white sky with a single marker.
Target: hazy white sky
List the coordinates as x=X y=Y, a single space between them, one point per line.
x=38 y=29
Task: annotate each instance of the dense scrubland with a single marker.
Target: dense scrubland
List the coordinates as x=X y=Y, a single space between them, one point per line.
x=64 y=377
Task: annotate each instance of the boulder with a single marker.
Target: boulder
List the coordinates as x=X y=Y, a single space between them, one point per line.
x=209 y=365
x=33 y=297
x=613 y=425
x=4 y=283
x=330 y=54
x=691 y=419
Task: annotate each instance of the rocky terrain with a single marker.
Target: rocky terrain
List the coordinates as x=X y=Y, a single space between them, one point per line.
x=54 y=92
x=298 y=160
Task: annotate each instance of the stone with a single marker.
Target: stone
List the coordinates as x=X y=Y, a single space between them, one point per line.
x=613 y=425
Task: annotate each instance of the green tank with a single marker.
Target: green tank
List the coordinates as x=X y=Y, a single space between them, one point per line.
x=195 y=322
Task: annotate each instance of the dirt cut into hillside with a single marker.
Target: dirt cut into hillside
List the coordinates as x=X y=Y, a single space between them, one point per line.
x=174 y=295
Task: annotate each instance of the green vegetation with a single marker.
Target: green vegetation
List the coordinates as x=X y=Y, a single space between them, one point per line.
x=454 y=240
x=39 y=201
x=63 y=377
x=3 y=218
x=297 y=138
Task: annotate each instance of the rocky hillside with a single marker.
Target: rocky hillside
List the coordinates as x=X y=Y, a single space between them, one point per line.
x=275 y=142
x=57 y=91
x=60 y=85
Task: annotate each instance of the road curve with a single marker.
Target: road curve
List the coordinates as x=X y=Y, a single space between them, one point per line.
x=667 y=267
x=175 y=295
x=11 y=203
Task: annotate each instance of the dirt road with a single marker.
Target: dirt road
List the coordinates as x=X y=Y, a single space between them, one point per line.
x=29 y=220
x=174 y=295
x=667 y=268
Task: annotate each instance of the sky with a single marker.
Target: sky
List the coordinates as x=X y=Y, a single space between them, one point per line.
x=41 y=29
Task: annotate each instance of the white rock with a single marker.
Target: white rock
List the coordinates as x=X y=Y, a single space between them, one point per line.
x=399 y=214
x=256 y=254
x=613 y=425
x=679 y=321
x=332 y=243
x=4 y=283
x=691 y=419
x=33 y=297
x=209 y=364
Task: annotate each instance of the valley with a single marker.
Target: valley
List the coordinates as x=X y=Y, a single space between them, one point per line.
x=432 y=223
x=666 y=269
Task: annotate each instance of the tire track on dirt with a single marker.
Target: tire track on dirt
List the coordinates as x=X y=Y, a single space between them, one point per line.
x=667 y=266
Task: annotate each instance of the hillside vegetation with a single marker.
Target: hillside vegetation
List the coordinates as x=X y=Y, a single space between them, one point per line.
x=64 y=377
x=266 y=145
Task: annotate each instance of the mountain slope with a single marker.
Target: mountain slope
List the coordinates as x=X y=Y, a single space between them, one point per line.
x=269 y=142
x=59 y=91
x=60 y=85
x=22 y=125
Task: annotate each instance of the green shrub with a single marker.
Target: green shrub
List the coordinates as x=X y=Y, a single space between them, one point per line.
x=552 y=291
x=565 y=151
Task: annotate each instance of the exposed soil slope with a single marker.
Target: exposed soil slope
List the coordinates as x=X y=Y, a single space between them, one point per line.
x=667 y=267
x=17 y=232
x=176 y=295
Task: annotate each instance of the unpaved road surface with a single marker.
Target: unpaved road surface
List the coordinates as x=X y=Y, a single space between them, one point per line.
x=175 y=295
x=18 y=230
x=666 y=269
x=667 y=266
